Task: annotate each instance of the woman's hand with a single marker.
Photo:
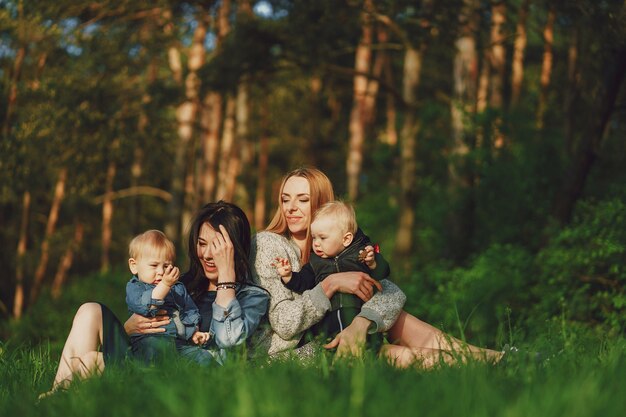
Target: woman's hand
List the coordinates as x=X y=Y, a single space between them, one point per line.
x=223 y=256
x=146 y=325
x=357 y=283
x=351 y=340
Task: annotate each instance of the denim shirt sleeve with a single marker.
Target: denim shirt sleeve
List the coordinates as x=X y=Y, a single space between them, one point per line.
x=139 y=298
x=188 y=311
x=232 y=325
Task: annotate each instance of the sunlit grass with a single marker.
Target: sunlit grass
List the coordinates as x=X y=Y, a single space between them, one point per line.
x=585 y=379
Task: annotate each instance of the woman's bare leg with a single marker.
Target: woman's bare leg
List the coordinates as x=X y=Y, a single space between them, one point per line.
x=411 y=332
x=403 y=357
x=80 y=354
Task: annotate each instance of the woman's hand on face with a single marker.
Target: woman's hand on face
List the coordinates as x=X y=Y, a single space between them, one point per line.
x=355 y=282
x=146 y=325
x=351 y=340
x=223 y=256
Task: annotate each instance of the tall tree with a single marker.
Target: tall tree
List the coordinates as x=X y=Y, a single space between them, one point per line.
x=591 y=141
x=546 y=66
x=358 y=115
x=53 y=217
x=465 y=78
x=519 y=49
x=186 y=114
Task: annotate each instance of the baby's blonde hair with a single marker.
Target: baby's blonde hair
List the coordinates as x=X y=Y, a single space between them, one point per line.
x=151 y=239
x=342 y=213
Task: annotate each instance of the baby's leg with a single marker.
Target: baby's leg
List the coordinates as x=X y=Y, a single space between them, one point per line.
x=80 y=354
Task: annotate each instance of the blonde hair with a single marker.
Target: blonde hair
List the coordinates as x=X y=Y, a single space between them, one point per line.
x=321 y=192
x=342 y=213
x=151 y=239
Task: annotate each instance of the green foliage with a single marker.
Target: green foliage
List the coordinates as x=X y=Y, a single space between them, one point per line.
x=49 y=320
x=476 y=301
x=581 y=271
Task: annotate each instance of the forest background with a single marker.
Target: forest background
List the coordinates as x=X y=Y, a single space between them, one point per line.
x=482 y=143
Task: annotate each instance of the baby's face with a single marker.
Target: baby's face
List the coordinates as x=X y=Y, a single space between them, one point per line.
x=150 y=265
x=328 y=238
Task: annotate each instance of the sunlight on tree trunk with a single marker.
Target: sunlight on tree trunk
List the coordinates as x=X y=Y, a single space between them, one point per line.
x=391 y=136
x=498 y=54
x=67 y=260
x=408 y=158
x=53 y=217
x=18 y=298
x=228 y=142
x=358 y=115
x=460 y=183
x=211 y=123
x=185 y=118
x=519 y=50
x=546 y=67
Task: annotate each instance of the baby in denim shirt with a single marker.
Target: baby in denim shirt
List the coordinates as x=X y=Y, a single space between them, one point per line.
x=153 y=287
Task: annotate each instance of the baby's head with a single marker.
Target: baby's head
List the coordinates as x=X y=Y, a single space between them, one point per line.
x=333 y=228
x=150 y=253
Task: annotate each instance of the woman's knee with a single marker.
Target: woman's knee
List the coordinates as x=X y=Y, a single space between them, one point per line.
x=88 y=314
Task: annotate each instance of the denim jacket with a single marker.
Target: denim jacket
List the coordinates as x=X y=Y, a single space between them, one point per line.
x=232 y=325
x=177 y=303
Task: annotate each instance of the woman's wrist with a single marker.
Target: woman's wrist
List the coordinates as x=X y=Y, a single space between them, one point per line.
x=230 y=285
x=227 y=277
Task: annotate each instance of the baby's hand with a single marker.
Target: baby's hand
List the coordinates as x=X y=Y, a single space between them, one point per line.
x=200 y=338
x=283 y=267
x=170 y=275
x=367 y=256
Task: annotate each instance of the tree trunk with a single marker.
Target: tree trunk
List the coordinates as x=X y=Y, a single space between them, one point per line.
x=483 y=86
x=498 y=54
x=17 y=71
x=391 y=136
x=576 y=176
x=546 y=66
x=185 y=119
x=18 y=298
x=226 y=152
x=12 y=99
x=358 y=115
x=211 y=123
x=571 y=90
x=107 y=210
x=408 y=143
x=521 y=38
x=465 y=77
x=67 y=260
x=53 y=216
x=261 y=185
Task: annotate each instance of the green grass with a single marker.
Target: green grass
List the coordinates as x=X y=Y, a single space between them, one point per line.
x=586 y=379
x=581 y=373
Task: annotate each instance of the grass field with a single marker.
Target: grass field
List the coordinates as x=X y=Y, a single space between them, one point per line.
x=580 y=373
x=586 y=379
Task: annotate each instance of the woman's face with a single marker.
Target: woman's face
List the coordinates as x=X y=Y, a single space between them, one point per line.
x=295 y=203
x=203 y=249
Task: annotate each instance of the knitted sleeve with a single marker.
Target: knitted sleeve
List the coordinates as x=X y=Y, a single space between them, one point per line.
x=289 y=313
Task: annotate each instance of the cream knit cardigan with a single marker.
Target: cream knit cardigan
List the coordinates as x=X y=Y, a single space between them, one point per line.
x=290 y=313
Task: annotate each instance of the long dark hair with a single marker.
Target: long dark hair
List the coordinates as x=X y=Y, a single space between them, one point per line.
x=236 y=223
